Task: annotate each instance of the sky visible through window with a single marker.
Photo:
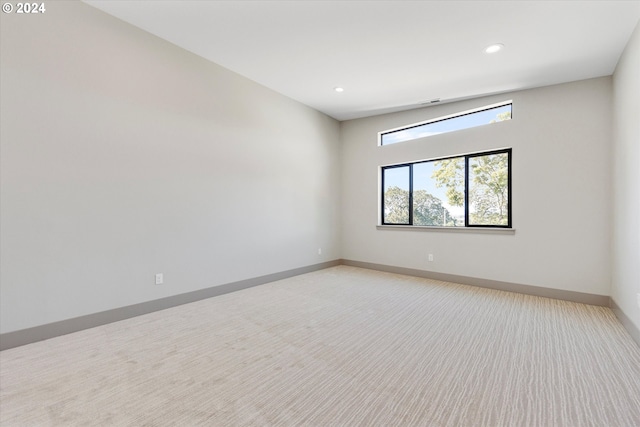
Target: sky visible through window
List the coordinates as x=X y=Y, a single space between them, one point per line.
x=447 y=125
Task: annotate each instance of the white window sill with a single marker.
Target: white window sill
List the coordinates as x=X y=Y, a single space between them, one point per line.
x=477 y=230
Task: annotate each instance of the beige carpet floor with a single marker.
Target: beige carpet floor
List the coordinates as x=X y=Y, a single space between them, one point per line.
x=338 y=347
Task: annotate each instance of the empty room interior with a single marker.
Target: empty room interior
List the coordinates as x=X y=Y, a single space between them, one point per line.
x=320 y=213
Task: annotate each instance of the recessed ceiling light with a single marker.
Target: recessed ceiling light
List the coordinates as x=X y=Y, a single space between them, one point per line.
x=338 y=89
x=494 y=48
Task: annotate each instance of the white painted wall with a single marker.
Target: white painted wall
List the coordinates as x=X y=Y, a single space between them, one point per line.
x=561 y=140
x=124 y=156
x=626 y=180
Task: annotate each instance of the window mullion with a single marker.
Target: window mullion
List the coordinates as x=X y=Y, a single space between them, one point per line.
x=509 y=223
x=382 y=198
x=411 y=194
x=466 y=191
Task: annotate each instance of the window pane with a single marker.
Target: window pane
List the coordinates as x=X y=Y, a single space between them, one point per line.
x=489 y=189
x=396 y=195
x=438 y=193
x=437 y=126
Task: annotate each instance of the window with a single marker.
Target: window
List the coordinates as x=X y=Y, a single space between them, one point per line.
x=473 y=190
x=467 y=119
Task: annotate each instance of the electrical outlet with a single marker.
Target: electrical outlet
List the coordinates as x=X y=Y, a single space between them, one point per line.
x=159 y=279
x=430 y=257
x=638 y=295
x=319 y=251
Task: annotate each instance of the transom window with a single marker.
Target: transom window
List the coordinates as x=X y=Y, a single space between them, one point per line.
x=472 y=190
x=467 y=119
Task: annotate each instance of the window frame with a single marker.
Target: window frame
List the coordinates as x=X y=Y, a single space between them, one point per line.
x=443 y=119
x=467 y=225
